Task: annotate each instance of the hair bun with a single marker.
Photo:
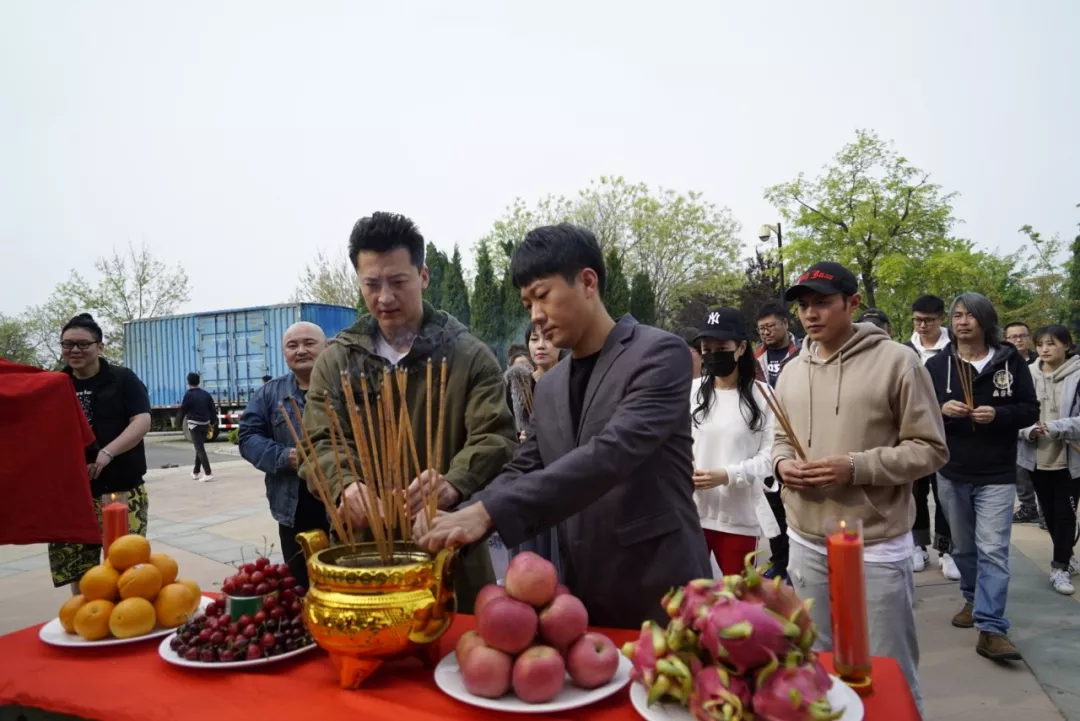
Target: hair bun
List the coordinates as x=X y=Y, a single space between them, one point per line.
x=85 y=316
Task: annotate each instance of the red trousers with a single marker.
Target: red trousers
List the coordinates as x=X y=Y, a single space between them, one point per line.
x=730 y=550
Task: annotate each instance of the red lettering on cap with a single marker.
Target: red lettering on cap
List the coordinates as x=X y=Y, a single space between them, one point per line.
x=815 y=275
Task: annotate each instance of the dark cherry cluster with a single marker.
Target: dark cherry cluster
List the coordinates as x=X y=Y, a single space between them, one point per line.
x=276 y=629
x=258 y=578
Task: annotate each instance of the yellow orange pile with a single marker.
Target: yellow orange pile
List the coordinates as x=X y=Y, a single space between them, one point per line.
x=130 y=594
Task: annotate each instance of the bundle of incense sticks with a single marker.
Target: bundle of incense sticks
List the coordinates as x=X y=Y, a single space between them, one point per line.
x=384 y=446
x=963 y=370
x=782 y=418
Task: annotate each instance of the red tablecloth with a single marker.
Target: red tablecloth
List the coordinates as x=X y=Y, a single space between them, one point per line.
x=131 y=683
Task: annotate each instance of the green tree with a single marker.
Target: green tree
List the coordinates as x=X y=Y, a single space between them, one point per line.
x=455 y=294
x=329 y=280
x=15 y=344
x=643 y=299
x=517 y=318
x=617 y=287
x=1050 y=301
x=1072 y=286
x=488 y=317
x=43 y=324
x=870 y=206
x=436 y=263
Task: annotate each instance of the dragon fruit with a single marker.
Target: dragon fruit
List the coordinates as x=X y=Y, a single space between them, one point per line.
x=719 y=695
x=744 y=636
x=795 y=691
x=686 y=603
x=663 y=672
x=778 y=597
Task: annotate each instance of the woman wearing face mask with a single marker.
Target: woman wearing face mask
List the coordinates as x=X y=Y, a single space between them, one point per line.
x=520 y=385
x=733 y=431
x=118 y=409
x=1046 y=449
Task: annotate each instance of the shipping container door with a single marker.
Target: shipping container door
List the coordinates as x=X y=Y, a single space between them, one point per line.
x=214 y=355
x=251 y=361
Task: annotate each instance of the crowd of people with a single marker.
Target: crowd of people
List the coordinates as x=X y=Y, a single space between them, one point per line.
x=629 y=455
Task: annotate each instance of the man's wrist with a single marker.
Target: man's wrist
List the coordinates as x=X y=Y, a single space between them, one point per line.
x=108 y=453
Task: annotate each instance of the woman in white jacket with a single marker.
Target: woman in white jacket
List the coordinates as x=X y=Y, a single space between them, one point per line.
x=733 y=431
x=1046 y=449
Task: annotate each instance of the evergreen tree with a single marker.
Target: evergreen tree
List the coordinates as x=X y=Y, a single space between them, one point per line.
x=517 y=318
x=487 y=300
x=1072 y=287
x=455 y=295
x=617 y=287
x=643 y=299
x=436 y=264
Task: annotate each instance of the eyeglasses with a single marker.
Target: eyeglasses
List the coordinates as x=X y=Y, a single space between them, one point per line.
x=767 y=327
x=925 y=321
x=80 y=344
x=1021 y=336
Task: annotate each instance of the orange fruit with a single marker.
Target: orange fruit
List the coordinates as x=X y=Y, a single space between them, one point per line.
x=195 y=591
x=92 y=620
x=140 y=581
x=174 y=605
x=132 y=617
x=167 y=565
x=68 y=611
x=99 y=583
x=129 y=550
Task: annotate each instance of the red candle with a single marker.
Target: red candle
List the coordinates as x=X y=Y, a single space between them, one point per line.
x=114 y=519
x=847 y=601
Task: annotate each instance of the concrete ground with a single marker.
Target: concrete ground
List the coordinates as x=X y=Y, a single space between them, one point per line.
x=208 y=526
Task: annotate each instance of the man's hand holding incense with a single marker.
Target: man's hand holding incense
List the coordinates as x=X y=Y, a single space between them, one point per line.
x=955 y=409
x=983 y=414
x=822 y=473
x=434 y=483
x=459 y=528
x=354 y=502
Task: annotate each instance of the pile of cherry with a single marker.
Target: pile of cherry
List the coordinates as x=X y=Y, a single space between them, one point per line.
x=276 y=629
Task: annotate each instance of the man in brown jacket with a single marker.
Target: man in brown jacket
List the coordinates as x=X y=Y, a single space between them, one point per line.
x=864 y=411
x=402 y=330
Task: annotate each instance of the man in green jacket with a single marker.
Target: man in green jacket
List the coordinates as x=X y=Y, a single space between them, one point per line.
x=402 y=330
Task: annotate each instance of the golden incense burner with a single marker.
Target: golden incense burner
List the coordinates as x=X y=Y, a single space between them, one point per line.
x=364 y=612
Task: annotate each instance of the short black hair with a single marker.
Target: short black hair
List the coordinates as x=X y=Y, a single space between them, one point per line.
x=86 y=322
x=193 y=379
x=772 y=308
x=383 y=232
x=517 y=350
x=1016 y=323
x=929 y=304
x=562 y=249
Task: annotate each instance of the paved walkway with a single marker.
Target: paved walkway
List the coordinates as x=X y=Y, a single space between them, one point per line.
x=207 y=527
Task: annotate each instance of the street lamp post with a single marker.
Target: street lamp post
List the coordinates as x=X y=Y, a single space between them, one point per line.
x=763 y=235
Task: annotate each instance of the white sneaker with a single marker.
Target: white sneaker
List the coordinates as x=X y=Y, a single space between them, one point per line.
x=1059 y=578
x=206 y=479
x=948 y=567
x=196 y=476
x=920 y=558
x=1074 y=566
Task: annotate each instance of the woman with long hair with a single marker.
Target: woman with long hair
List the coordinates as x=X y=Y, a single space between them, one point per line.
x=117 y=407
x=733 y=432
x=1046 y=448
x=520 y=384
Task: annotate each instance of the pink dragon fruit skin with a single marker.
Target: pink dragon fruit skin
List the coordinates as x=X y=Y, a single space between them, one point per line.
x=662 y=672
x=719 y=695
x=795 y=691
x=744 y=636
x=687 y=602
x=776 y=596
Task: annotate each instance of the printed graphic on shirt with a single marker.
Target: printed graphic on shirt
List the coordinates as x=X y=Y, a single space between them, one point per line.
x=1003 y=384
x=86 y=400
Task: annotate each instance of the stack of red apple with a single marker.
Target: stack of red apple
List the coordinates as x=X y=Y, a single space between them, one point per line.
x=529 y=635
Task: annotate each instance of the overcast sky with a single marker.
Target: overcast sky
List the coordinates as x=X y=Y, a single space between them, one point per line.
x=239 y=137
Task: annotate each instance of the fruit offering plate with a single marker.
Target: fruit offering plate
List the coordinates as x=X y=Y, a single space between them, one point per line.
x=840 y=696
x=166 y=652
x=53 y=633
x=448 y=679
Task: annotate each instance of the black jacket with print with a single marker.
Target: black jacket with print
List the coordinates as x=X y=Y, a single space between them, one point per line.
x=985 y=454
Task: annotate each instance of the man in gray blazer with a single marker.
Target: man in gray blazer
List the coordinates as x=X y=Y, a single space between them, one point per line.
x=610 y=457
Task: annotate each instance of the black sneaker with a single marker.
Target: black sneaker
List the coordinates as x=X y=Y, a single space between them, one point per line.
x=1026 y=515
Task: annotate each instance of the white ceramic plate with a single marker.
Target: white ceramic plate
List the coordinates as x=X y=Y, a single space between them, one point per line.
x=53 y=633
x=448 y=678
x=174 y=658
x=840 y=696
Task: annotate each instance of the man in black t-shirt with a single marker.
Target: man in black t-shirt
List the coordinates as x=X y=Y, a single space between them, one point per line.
x=777 y=342
x=610 y=459
x=199 y=413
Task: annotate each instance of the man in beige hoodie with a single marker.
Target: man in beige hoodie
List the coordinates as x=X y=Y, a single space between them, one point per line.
x=864 y=410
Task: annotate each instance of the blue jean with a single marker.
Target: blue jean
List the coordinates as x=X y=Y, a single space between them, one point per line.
x=980 y=518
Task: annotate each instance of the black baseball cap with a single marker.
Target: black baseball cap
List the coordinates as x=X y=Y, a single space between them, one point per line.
x=723 y=324
x=875 y=316
x=826 y=278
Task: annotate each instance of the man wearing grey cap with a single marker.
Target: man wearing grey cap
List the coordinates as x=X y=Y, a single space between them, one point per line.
x=869 y=427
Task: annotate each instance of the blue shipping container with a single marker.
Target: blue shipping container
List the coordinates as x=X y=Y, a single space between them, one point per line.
x=231 y=349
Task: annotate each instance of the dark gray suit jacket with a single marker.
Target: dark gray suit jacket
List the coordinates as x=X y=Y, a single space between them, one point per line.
x=621 y=490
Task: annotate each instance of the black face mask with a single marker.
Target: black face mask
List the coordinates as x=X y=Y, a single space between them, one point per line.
x=719 y=364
